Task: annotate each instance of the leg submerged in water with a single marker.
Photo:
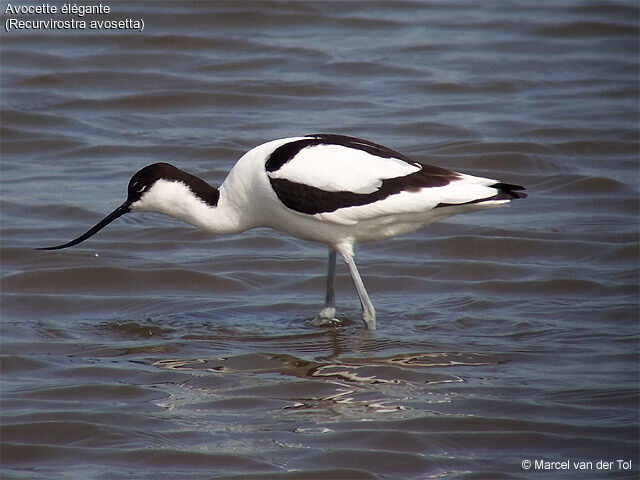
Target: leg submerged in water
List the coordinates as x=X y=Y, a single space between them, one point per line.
x=368 y=312
x=327 y=314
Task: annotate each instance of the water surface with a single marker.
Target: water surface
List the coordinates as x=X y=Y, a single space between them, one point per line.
x=154 y=351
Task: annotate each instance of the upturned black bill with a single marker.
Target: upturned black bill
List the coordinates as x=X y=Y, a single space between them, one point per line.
x=118 y=212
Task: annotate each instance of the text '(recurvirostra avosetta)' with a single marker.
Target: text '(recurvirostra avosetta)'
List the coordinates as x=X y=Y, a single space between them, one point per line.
x=68 y=16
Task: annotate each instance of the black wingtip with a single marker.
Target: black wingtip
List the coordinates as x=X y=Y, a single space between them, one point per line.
x=508 y=191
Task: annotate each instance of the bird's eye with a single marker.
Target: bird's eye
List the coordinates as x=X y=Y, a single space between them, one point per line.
x=139 y=187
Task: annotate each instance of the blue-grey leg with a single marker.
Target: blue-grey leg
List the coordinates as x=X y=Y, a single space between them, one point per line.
x=368 y=312
x=327 y=314
x=330 y=297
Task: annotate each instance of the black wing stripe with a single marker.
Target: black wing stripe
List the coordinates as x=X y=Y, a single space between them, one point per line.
x=311 y=200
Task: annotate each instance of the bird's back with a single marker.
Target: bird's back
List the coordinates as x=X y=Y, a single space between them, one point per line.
x=323 y=187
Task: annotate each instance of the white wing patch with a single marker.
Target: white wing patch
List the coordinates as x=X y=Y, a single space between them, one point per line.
x=336 y=168
x=465 y=189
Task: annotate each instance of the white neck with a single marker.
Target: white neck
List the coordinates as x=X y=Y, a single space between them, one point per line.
x=175 y=199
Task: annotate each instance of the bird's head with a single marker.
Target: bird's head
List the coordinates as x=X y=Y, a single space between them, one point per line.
x=161 y=188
